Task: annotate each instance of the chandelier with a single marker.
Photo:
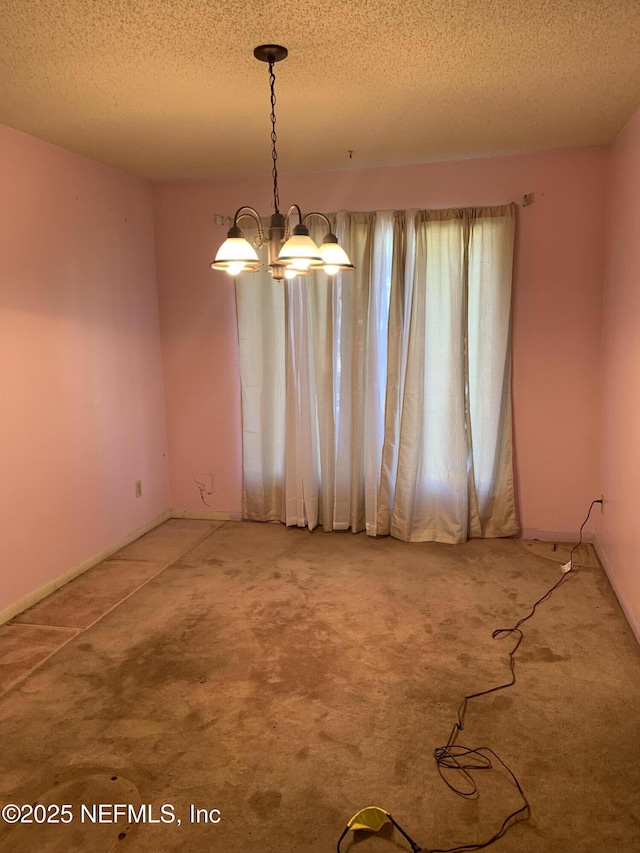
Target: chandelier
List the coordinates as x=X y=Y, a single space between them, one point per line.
x=290 y=253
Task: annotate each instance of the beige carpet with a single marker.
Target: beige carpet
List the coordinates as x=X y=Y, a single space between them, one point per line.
x=288 y=678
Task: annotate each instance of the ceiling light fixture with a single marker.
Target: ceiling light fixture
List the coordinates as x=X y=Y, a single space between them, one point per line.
x=291 y=253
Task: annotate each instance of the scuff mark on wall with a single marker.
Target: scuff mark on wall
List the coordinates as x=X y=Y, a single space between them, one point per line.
x=205 y=489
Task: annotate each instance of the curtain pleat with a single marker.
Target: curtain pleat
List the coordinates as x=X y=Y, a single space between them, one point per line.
x=260 y=306
x=491 y=241
x=381 y=399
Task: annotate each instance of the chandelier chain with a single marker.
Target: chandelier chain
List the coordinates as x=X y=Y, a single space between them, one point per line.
x=274 y=137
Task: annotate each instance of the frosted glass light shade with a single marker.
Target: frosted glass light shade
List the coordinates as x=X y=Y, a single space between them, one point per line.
x=236 y=255
x=333 y=257
x=299 y=251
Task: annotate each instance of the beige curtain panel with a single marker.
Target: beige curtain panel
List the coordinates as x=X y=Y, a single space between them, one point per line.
x=380 y=400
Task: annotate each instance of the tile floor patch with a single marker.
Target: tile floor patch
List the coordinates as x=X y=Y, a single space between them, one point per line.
x=80 y=602
x=167 y=541
x=25 y=647
x=33 y=636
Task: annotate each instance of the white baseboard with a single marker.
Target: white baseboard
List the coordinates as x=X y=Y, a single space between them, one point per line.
x=554 y=535
x=37 y=595
x=206 y=515
x=631 y=617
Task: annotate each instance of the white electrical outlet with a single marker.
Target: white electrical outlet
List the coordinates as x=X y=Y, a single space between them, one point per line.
x=138 y=488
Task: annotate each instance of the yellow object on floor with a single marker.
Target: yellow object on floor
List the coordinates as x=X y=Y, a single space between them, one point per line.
x=372 y=819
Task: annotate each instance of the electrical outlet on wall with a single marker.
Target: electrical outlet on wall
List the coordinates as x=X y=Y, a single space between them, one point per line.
x=138 y=488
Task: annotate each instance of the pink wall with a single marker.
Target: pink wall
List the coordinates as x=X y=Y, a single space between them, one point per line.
x=557 y=314
x=617 y=538
x=80 y=367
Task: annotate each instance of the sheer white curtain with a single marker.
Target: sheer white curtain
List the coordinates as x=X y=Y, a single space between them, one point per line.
x=381 y=399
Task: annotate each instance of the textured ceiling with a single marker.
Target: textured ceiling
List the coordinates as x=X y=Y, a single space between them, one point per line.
x=171 y=89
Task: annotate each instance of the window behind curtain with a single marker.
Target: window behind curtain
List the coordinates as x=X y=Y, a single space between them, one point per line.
x=380 y=400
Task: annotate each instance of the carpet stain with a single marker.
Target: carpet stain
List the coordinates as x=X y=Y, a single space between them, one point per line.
x=350 y=747
x=543 y=654
x=502 y=703
x=401 y=772
x=264 y=803
x=167 y=657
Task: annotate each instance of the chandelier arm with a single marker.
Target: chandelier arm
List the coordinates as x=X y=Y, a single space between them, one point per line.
x=287 y=229
x=288 y=216
x=317 y=213
x=291 y=209
x=249 y=212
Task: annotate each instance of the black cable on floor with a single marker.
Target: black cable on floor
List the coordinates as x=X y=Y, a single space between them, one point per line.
x=465 y=761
